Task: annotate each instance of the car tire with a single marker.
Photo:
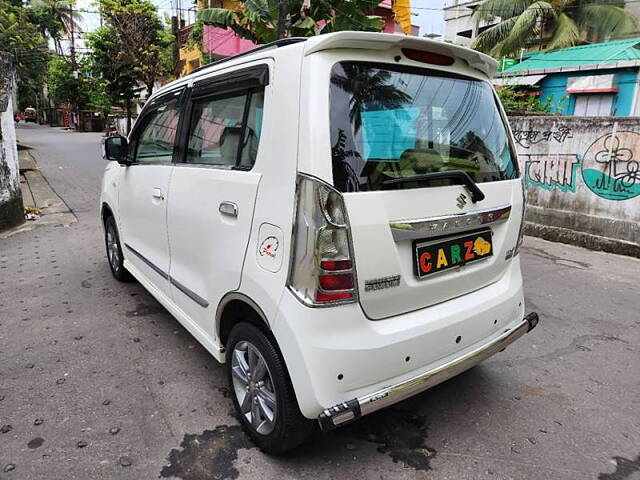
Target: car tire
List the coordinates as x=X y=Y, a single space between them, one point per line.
x=289 y=428
x=114 y=251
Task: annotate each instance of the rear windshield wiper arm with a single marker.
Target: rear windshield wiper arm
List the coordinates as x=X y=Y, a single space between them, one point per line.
x=459 y=176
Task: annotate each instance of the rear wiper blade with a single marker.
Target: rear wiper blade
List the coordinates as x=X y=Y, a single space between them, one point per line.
x=463 y=178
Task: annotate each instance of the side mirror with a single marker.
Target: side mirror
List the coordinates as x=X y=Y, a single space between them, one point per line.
x=116 y=148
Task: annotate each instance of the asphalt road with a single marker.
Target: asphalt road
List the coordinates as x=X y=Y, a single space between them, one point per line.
x=98 y=381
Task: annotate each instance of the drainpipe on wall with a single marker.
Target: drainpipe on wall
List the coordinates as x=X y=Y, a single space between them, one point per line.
x=634 y=111
x=11 y=207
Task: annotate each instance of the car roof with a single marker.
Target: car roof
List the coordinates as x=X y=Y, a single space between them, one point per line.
x=383 y=41
x=350 y=40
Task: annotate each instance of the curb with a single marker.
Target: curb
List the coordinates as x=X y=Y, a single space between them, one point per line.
x=38 y=194
x=582 y=239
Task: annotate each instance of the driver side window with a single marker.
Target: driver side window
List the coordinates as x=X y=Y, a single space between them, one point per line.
x=155 y=140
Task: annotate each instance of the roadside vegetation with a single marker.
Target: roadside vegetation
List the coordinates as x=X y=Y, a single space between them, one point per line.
x=131 y=51
x=549 y=25
x=134 y=48
x=517 y=102
x=21 y=36
x=264 y=21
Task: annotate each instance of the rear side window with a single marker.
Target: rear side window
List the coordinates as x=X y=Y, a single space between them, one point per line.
x=225 y=130
x=390 y=122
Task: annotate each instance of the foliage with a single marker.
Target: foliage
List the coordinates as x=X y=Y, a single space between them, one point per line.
x=139 y=37
x=517 y=102
x=85 y=91
x=133 y=47
x=550 y=24
x=55 y=19
x=21 y=38
x=166 y=42
x=63 y=87
x=196 y=33
x=105 y=62
x=257 y=20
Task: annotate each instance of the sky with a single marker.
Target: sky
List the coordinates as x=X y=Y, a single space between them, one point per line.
x=426 y=13
x=430 y=21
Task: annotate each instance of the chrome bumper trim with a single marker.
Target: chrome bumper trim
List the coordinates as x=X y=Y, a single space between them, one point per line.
x=353 y=409
x=449 y=224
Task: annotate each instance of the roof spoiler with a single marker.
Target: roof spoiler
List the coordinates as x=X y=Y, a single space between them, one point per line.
x=384 y=41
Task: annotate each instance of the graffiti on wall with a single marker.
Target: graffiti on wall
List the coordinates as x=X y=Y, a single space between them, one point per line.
x=551 y=172
x=610 y=168
x=526 y=138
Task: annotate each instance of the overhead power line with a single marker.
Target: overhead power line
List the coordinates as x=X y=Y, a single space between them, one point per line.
x=510 y=10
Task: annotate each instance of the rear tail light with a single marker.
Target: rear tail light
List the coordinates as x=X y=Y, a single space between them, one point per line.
x=516 y=251
x=322 y=270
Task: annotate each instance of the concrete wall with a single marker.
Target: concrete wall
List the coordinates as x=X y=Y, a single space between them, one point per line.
x=11 y=209
x=582 y=176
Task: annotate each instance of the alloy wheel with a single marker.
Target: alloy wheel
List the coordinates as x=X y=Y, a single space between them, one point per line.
x=113 y=251
x=253 y=387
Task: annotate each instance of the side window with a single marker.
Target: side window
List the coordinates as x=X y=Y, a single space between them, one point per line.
x=154 y=142
x=225 y=130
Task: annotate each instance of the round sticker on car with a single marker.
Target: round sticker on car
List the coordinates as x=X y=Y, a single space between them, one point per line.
x=269 y=247
x=269 y=251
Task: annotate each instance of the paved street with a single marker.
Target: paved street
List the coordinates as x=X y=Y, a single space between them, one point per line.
x=98 y=381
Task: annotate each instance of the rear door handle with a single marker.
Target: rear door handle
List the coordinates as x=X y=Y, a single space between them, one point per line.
x=157 y=193
x=228 y=208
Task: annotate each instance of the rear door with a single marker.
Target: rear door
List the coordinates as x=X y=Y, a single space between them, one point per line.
x=420 y=240
x=213 y=191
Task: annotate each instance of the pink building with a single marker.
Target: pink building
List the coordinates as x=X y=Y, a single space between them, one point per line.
x=224 y=42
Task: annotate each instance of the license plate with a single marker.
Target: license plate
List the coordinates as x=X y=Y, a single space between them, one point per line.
x=433 y=257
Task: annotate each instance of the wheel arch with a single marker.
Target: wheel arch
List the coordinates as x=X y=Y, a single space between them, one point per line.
x=105 y=212
x=237 y=307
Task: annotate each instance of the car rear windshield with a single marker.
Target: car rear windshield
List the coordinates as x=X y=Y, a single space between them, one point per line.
x=390 y=122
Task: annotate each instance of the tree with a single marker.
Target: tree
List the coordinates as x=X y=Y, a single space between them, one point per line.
x=21 y=38
x=130 y=49
x=263 y=21
x=62 y=85
x=139 y=37
x=120 y=81
x=55 y=19
x=550 y=24
x=83 y=90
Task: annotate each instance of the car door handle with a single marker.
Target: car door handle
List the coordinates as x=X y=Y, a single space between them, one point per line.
x=228 y=208
x=157 y=193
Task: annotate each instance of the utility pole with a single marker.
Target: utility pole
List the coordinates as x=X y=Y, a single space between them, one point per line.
x=74 y=67
x=283 y=8
x=176 y=43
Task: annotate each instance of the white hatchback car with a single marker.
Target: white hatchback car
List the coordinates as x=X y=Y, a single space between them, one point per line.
x=337 y=218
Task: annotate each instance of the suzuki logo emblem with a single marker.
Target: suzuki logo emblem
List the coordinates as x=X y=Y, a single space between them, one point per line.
x=461 y=200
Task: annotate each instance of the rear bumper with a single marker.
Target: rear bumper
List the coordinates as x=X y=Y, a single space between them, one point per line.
x=336 y=355
x=351 y=410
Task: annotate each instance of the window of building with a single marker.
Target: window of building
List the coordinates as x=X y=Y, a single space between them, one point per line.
x=593 y=105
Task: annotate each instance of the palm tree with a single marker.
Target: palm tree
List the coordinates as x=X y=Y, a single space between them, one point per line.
x=55 y=19
x=550 y=24
x=369 y=88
